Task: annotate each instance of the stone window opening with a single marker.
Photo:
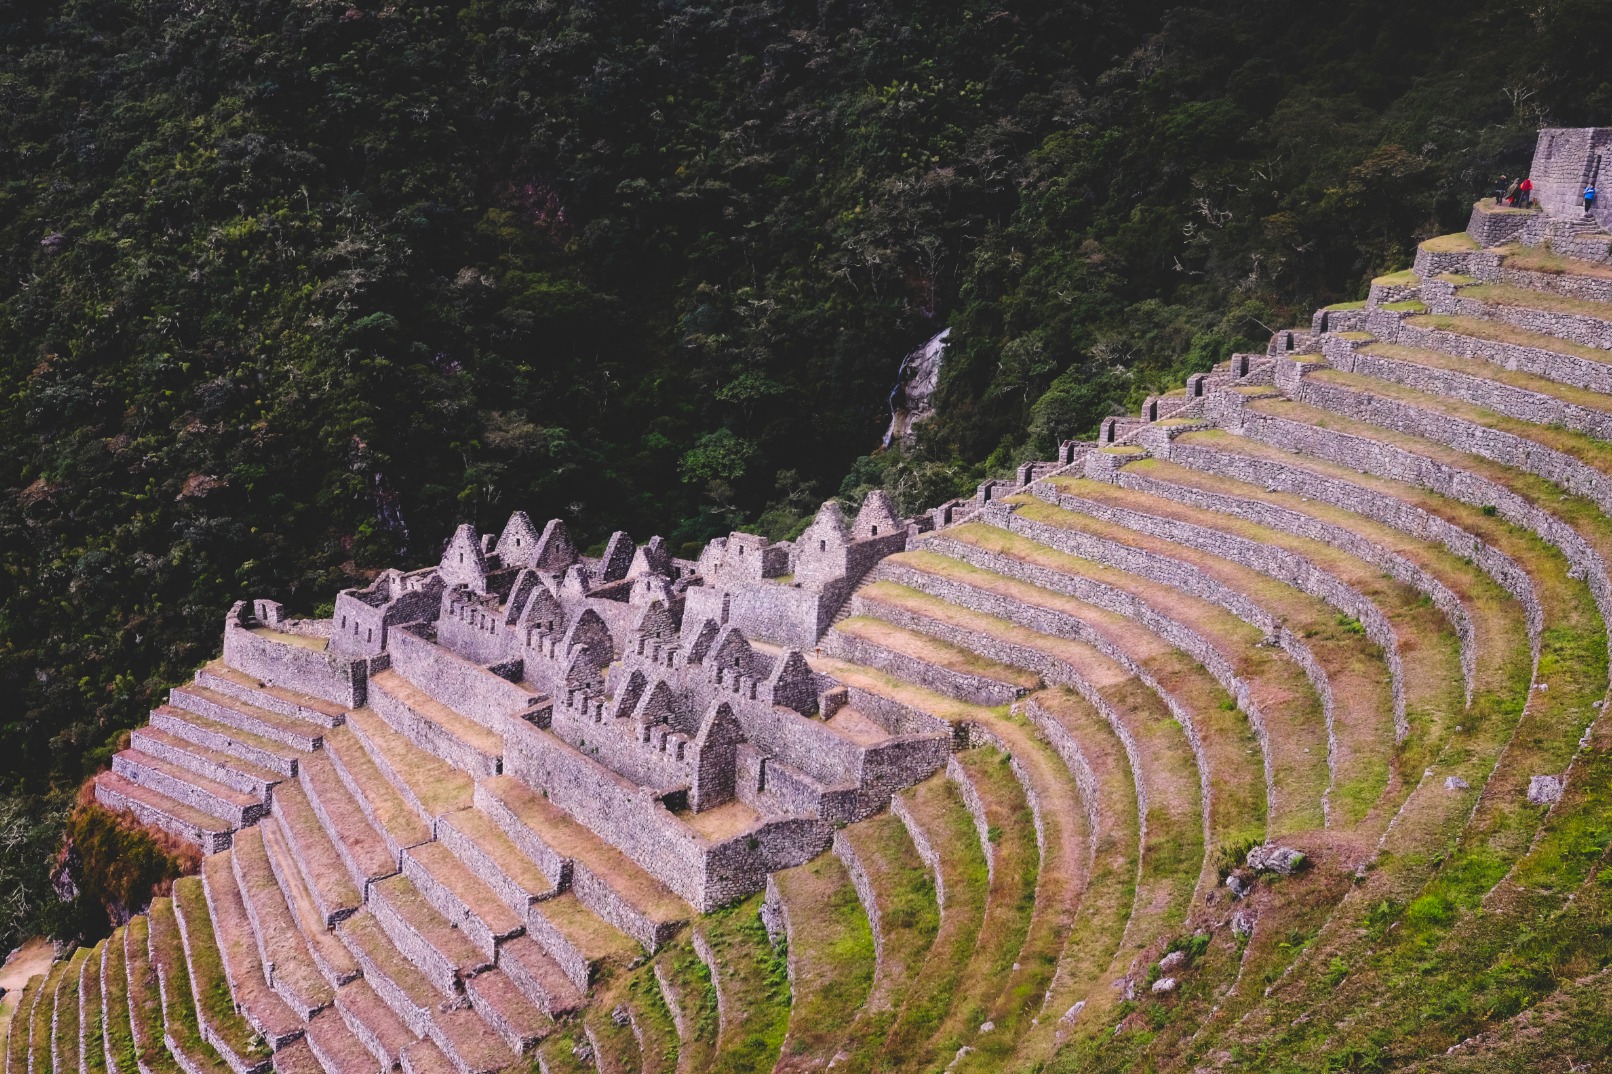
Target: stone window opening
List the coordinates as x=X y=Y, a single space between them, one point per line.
x=822 y=546
x=369 y=634
x=461 y=557
x=875 y=531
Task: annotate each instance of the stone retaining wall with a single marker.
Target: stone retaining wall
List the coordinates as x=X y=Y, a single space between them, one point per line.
x=1394 y=463
x=448 y=678
x=1370 y=503
x=1308 y=526
x=974 y=689
x=1269 y=560
x=1566 y=368
x=1442 y=297
x=296 y=667
x=1178 y=575
x=1520 y=403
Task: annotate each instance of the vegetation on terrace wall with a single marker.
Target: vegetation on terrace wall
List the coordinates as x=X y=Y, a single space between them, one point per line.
x=287 y=290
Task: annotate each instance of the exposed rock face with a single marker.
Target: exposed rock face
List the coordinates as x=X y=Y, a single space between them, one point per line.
x=916 y=383
x=1545 y=790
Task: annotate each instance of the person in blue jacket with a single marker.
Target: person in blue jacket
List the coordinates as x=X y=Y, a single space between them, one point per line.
x=1589 y=199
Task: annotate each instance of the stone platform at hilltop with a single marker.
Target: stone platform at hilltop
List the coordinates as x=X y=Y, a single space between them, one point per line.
x=962 y=789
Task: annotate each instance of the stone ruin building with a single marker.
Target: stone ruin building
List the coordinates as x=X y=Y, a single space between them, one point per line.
x=471 y=813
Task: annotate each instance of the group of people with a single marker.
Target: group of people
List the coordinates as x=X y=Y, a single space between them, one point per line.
x=1519 y=193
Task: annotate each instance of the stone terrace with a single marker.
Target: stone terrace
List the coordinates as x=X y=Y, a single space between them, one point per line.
x=987 y=770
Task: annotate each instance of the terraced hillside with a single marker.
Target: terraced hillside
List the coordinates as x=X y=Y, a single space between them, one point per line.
x=1279 y=744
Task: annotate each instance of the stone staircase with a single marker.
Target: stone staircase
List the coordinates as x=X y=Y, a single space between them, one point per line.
x=1345 y=599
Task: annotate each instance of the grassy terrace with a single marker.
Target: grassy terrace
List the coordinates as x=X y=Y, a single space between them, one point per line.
x=213 y=998
x=930 y=650
x=1353 y=665
x=1567 y=393
x=1428 y=646
x=690 y=998
x=115 y=1024
x=294 y=968
x=17 y=1038
x=1172 y=852
x=908 y=920
x=1458 y=243
x=1505 y=294
x=938 y=809
x=597 y=939
x=1236 y=773
x=327 y=874
x=1574 y=666
x=1500 y=332
x=1290 y=705
x=753 y=979
x=145 y=1001
x=1362 y=757
x=1586 y=449
x=1544 y=259
x=94 y=1027
x=64 y=1029
x=1009 y=906
x=616 y=1046
x=434 y=786
x=657 y=1031
x=1099 y=925
x=40 y=1023
x=178 y=1001
x=566 y=1052
x=380 y=800
x=366 y=850
x=832 y=955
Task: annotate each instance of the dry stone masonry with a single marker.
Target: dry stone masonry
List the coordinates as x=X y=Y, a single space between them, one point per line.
x=448 y=826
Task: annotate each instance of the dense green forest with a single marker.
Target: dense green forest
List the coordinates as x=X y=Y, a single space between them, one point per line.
x=289 y=289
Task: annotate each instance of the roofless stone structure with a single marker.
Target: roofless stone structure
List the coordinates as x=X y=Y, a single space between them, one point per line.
x=490 y=806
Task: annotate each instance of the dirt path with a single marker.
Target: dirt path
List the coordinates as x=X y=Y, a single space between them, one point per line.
x=33 y=957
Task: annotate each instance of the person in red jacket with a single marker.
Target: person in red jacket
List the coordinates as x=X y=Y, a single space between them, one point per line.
x=1525 y=193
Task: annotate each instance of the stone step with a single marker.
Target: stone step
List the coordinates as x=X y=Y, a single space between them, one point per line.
x=470 y=1044
x=1516 y=394
x=539 y=977
x=219 y=767
x=160 y=811
x=603 y=878
x=314 y=857
x=425 y=1057
x=504 y=1006
x=393 y=818
x=227 y=709
x=1506 y=346
x=297 y=1058
x=431 y=786
x=235 y=808
x=487 y=852
x=218 y=1015
x=375 y=1024
x=264 y=1010
x=394 y=978
x=331 y=958
x=288 y=965
x=222 y=738
x=578 y=939
x=338 y=1049
x=442 y=952
x=461 y=897
x=930 y=662
x=434 y=727
x=220 y=677
x=363 y=850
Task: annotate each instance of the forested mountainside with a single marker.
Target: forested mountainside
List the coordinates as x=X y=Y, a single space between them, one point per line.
x=290 y=289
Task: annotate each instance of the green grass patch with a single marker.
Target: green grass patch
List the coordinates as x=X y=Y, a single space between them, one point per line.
x=754 y=979
x=213 y=996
